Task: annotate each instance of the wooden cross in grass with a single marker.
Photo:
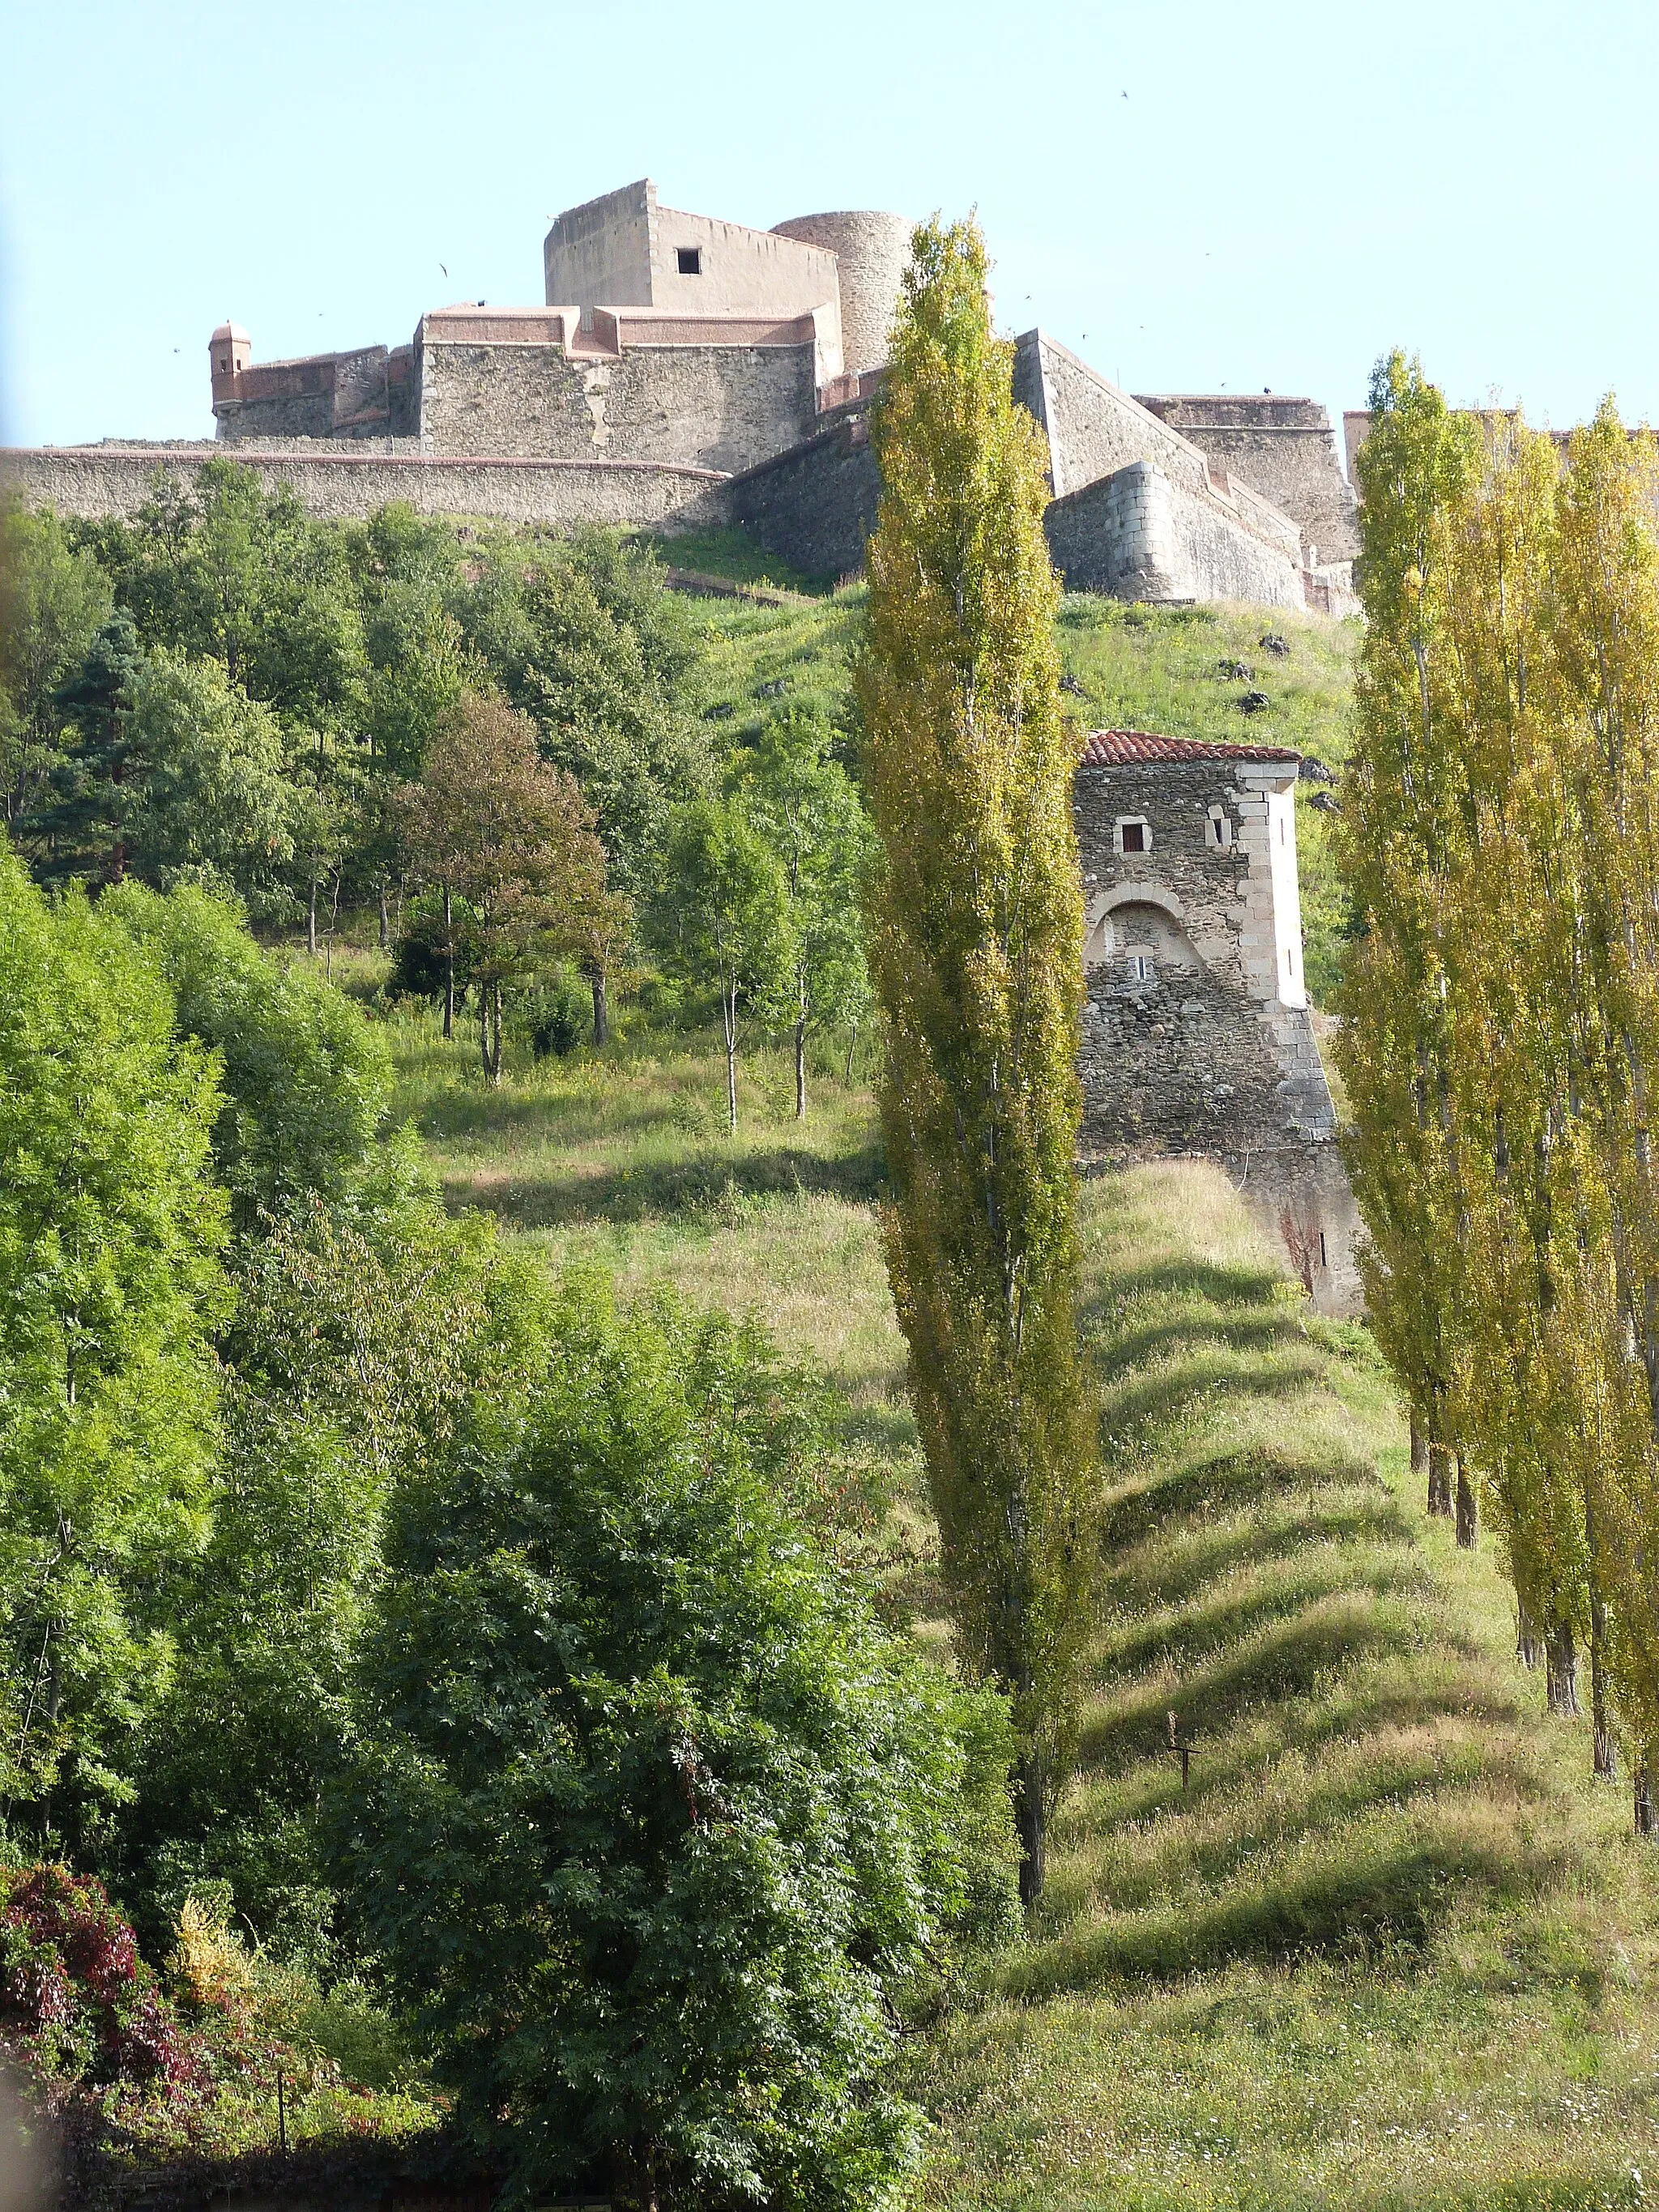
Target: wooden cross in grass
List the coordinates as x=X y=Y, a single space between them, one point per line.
x=1182 y=1750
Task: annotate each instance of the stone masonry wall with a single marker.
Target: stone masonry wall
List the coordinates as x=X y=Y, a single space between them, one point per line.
x=1135 y=535
x=1093 y=429
x=337 y=481
x=1284 y=448
x=815 y=506
x=1196 y=1058
x=720 y=407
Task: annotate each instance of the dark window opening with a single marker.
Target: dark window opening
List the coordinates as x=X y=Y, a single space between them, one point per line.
x=1135 y=837
x=1323 y=1261
x=690 y=260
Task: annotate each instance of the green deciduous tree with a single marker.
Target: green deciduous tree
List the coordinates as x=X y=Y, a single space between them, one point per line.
x=306 y=1080
x=206 y=797
x=493 y=824
x=805 y=806
x=723 y=918
x=653 y=1823
x=975 y=948
x=53 y=598
x=110 y=1285
x=80 y=815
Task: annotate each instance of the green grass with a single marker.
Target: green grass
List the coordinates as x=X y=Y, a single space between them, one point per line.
x=1392 y=1948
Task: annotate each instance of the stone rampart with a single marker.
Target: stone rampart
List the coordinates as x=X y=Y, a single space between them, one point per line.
x=1135 y=535
x=338 y=482
x=716 y=405
x=1093 y=429
x=1284 y=448
x=815 y=506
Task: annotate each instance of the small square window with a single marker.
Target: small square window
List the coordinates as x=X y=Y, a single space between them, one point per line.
x=690 y=257
x=1135 y=837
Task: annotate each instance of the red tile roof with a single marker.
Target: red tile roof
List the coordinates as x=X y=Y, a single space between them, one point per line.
x=1123 y=747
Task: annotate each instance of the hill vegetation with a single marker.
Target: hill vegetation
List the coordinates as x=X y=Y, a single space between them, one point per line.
x=1335 y=1913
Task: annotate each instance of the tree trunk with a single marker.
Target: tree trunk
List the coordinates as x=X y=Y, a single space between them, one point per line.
x=1604 y=1763
x=1440 y=1494
x=729 y=1021
x=1561 y=1669
x=385 y=919
x=1031 y=1822
x=1647 y=1817
x=449 y=966
x=800 y=1068
x=311 y=921
x=601 y=1009
x=1469 y=1519
x=1420 y=1453
x=500 y=1054
x=1526 y=1635
x=484 y=1028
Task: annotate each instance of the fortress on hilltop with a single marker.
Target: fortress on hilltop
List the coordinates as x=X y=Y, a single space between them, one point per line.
x=685 y=372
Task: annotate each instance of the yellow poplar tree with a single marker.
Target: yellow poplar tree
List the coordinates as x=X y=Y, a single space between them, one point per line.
x=975 y=951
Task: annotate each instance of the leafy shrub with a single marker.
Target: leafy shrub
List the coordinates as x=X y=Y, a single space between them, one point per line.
x=76 y=2000
x=653 y=1822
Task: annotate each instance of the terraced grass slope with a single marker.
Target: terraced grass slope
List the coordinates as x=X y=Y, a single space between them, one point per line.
x=1390 y=1947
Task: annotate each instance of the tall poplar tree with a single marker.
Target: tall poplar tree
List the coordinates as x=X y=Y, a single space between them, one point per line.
x=975 y=951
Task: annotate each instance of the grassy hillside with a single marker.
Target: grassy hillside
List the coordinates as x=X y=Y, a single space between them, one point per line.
x=1184 y=672
x=1391 y=1948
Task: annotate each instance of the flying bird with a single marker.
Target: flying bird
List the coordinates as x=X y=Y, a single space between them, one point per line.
x=441 y=266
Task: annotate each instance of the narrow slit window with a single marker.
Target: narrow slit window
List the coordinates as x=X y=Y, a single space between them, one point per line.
x=690 y=257
x=1323 y=1261
x=1220 y=829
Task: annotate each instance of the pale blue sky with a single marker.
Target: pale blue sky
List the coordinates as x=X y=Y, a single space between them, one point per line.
x=1286 y=191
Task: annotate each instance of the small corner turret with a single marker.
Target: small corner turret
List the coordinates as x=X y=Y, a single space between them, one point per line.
x=229 y=350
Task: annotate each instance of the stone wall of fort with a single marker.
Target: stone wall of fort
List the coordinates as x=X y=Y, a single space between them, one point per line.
x=1137 y=535
x=1285 y=448
x=340 y=481
x=815 y=506
x=709 y=405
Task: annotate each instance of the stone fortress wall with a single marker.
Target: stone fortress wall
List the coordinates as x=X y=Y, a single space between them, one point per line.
x=685 y=370
x=1285 y=447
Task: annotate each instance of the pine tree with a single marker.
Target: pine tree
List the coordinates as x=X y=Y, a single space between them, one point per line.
x=975 y=942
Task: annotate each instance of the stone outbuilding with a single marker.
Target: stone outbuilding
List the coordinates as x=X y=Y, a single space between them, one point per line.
x=1198 y=1037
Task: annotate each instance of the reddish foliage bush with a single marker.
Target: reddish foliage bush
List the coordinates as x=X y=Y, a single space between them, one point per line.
x=76 y=2000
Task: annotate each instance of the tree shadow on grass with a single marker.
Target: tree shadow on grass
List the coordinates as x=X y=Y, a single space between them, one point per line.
x=1171 y=1337
x=697 y=1189
x=1230 y=1482
x=1197 y=1634
x=1282 y=1660
x=1395 y=1888
x=1160 y=1394
x=1155 y=1578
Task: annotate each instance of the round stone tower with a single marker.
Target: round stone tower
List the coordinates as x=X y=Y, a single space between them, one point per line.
x=229 y=350
x=871 y=249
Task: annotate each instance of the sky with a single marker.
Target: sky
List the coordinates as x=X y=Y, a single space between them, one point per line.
x=1194 y=197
